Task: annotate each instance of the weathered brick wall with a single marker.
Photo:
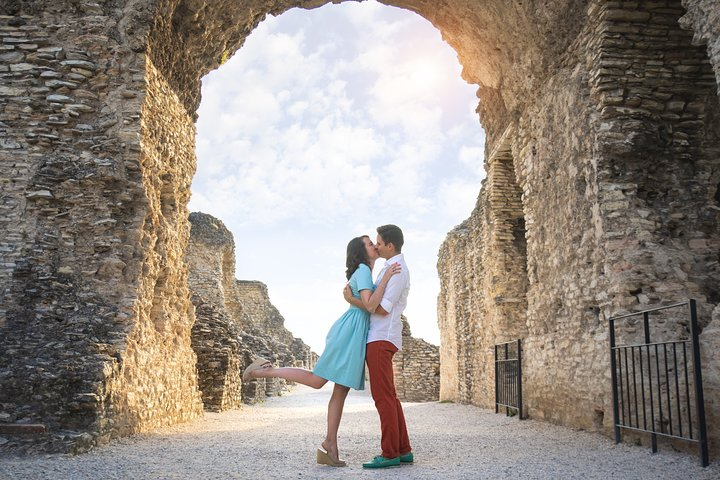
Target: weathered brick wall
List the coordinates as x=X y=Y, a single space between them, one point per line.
x=702 y=18
x=220 y=357
x=265 y=317
x=268 y=324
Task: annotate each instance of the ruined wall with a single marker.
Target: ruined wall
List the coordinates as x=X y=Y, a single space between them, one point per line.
x=486 y=253
x=95 y=320
x=96 y=159
x=416 y=369
x=616 y=157
x=215 y=335
x=265 y=317
x=216 y=340
x=267 y=323
x=659 y=186
x=235 y=322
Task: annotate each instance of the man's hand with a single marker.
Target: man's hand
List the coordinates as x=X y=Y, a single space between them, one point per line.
x=347 y=293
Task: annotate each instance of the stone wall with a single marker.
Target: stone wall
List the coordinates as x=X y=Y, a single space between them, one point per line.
x=215 y=335
x=235 y=322
x=703 y=19
x=416 y=369
x=216 y=340
x=96 y=314
x=616 y=158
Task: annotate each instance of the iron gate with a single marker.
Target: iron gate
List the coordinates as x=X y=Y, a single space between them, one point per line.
x=657 y=388
x=508 y=377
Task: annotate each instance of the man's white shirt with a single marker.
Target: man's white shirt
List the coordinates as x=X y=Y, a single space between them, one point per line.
x=389 y=327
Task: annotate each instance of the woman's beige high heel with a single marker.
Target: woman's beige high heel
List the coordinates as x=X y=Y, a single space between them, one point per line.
x=324 y=458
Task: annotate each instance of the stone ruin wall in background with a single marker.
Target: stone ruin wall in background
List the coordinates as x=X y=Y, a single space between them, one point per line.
x=235 y=322
x=416 y=368
x=601 y=123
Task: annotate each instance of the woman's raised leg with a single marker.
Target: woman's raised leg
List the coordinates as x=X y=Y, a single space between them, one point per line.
x=334 y=415
x=297 y=375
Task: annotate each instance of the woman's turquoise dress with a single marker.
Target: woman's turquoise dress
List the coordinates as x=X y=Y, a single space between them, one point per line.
x=343 y=360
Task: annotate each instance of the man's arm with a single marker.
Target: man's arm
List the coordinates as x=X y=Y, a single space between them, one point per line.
x=394 y=289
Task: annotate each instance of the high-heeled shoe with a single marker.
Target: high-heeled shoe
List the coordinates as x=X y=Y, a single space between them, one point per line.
x=324 y=458
x=258 y=364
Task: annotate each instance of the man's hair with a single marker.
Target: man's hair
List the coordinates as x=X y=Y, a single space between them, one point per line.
x=392 y=234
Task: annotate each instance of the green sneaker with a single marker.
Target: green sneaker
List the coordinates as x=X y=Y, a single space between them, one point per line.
x=407 y=458
x=382 y=462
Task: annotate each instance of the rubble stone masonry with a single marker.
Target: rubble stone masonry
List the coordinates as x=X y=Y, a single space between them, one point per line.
x=417 y=369
x=235 y=322
x=616 y=160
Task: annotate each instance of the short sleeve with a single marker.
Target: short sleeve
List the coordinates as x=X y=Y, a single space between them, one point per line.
x=363 y=278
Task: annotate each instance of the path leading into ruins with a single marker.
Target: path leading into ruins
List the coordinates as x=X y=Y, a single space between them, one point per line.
x=278 y=440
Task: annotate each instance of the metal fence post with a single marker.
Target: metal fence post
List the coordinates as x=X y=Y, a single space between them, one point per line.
x=646 y=331
x=519 y=381
x=497 y=380
x=613 y=374
x=699 y=399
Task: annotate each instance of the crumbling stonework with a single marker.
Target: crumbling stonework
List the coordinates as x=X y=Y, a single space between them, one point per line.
x=220 y=357
x=417 y=369
x=602 y=153
x=615 y=161
x=235 y=322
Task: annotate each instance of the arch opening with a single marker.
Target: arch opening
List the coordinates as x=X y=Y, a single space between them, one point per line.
x=324 y=137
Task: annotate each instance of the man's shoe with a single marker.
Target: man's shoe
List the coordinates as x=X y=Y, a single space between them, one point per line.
x=407 y=458
x=382 y=462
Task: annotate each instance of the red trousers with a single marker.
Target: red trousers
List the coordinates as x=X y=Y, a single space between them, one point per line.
x=395 y=441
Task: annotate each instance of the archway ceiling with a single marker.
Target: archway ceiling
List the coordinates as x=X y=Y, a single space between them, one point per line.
x=502 y=44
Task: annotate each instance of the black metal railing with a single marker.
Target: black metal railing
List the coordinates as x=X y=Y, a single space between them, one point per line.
x=508 y=378
x=657 y=388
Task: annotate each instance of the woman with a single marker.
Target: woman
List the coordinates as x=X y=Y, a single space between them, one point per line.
x=343 y=360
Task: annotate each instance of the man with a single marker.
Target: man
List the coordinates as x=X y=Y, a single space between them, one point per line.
x=384 y=340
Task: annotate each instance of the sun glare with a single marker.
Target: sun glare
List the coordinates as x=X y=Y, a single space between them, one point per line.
x=425 y=74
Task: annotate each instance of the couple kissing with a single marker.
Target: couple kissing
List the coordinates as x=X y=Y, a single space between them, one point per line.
x=370 y=331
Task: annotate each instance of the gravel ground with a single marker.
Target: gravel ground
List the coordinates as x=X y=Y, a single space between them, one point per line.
x=278 y=440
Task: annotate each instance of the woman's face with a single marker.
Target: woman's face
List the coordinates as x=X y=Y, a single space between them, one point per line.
x=370 y=249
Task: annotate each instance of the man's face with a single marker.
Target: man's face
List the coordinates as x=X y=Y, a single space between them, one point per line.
x=386 y=251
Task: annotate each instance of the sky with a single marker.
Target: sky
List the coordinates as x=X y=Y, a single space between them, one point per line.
x=326 y=124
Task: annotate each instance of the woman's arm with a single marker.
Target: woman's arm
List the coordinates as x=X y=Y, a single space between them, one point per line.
x=370 y=301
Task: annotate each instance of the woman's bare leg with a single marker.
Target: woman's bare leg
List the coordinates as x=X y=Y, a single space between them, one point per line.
x=334 y=415
x=297 y=375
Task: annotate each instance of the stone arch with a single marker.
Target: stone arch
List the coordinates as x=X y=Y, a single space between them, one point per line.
x=99 y=105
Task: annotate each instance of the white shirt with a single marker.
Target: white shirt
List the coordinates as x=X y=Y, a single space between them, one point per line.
x=389 y=327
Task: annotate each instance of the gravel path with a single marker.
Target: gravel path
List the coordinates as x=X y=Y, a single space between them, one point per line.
x=278 y=440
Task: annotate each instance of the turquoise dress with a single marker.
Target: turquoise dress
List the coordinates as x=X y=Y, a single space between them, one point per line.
x=343 y=360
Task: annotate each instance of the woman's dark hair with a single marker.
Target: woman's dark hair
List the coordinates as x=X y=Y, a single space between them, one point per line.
x=356 y=254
